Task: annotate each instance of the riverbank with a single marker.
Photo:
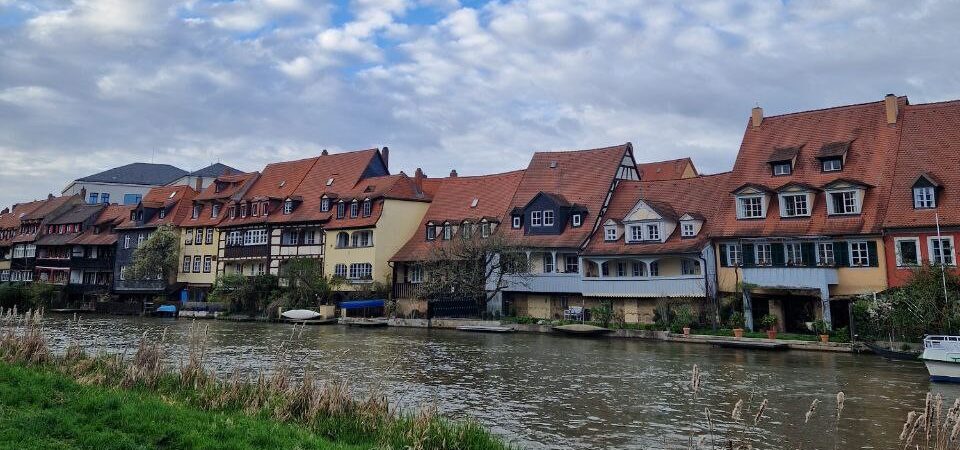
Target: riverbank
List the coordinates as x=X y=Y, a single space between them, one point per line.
x=143 y=401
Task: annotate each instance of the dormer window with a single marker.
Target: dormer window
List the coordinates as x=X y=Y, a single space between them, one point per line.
x=324 y=204
x=548 y=218
x=288 y=206
x=536 y=218
x=576 y=220
x=485 y=229
x=652 y=232
x=832 y=156
x=243 y=210
x=782 y=160
x=341 y=209
x=367 y=207
x=923 y=197
x=196 y=211
x=215 y=210
x=447 y=231
x=233 y=211
x=795 y=204
x=782 y=168
x=610 y=233
x=688 y=229
x=844 y=201
x=431 y=231
x=255 y=209
x=163 y=213
x=466 y=230
x=831 y=164
x=354 y=209
x=750 y=207
x=516 y=222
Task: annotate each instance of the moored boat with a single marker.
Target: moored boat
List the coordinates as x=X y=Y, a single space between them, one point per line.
x=889 y=353
x=581 y=329
x=485 y=329
x=941 y=355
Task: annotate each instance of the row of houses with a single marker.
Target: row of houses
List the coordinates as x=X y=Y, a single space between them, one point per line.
x=819 y=208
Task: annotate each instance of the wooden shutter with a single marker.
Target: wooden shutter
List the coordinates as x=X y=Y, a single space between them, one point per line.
x=872 y=253
x=776 y=249
x=841 y=254
x=746 y=251
x=723 y=255
x=809 y=254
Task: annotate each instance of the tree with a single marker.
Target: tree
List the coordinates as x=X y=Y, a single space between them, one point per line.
x=158 y=255
x=247 y=295
x=914 y=309
x=306 y=284
x=473 y=268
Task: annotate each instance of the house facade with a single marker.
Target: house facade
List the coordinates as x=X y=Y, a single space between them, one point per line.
x=23 y=254
x=92 y=255
x=54 y=248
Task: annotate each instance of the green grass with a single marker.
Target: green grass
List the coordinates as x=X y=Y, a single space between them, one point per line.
x=757 y=334
x=41 y=409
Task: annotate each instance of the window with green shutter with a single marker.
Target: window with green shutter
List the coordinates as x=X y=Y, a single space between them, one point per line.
x=748 y=256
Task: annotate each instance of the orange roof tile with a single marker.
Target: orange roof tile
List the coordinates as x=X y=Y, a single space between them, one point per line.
x=665 y=170
x=397 y=187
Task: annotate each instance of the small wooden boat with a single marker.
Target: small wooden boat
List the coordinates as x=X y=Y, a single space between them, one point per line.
x=366 y=323
x=889 y=353
x=327 y=321
x=752 y=345
x=581 y=329
x=485 y=329
x=300 y=314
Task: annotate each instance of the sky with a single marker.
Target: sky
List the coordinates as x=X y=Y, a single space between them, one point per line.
x=86 y=85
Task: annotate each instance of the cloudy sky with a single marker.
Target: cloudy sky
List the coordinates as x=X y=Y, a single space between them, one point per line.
x=477 y=86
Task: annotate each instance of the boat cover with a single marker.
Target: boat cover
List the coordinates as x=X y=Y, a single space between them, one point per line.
x=359 y=304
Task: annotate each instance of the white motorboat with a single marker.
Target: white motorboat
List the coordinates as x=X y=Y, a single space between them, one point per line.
x=300 y=314
x=941 y=354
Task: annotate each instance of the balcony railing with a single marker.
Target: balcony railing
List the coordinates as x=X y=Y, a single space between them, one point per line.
x=650 y=287
x=247 y=251
x=140 y=285
x=406 y=290
x=543 y=282
x=791 y=277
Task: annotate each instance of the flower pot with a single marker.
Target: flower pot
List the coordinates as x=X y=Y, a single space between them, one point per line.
x=771 y=334
x=824 y=338
x=686 y=331
x=738 y=332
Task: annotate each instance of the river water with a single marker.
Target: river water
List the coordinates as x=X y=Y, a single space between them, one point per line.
x=545 y=391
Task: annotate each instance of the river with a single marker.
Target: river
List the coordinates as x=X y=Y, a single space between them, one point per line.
x=545 y=391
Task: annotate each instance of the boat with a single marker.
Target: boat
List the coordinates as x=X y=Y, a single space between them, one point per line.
x=327 y=321
x=889 y=353
x=753 y=345
x=941 y=354
x=485 y=329
x=166 y=311
x=300 y=314
x=366 y=323
x=581 y=329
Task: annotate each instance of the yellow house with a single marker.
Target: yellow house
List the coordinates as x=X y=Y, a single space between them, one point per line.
x=369 y=225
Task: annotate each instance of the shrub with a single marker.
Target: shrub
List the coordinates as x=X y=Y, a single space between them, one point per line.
x=769 y=321
x=736 y=320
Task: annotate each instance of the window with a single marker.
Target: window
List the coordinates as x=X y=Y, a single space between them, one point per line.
x=415 y=273
x=548 y=218
x=354 y=208
x=186 y=265
x=485 y=229
x=207 y=264
x=197 y=261
x=361 y=271
x=123 y=272
x=638 y=269
x=290 y=237
x=340 y=270
x=163 y=213
x=572 y=264
x=844 y=202
x=341 y=208
x=233 y=211
x=215 y=210
x=324 y=204
x=923 y=197
x=243 y=210
x=781 y=168
x=310 y=237
x=343 y=239
x=209 y=239
x=831 y=165
x=734 y=255
x=199 y=238
x=261 y=269
x=764 y=254
x=859 y=254
x=447 y=231
x=516 y=221
x=621 y=269
x=126 y=242
x=654 y=269
x=576 y=220
x=687 y=229
x=653 y=231
x=750 y=207
x=610 y=233
x=93 y=198
x=255 y=237
x=636 y=233
x=196 y=211
x=795 y=205
x=131 y=199
x=140 y=239
x=288 y=206
x=362 y=238
x=536 y=218
x=941 y=251
x=793 y=253
x=548 y=266
x=908 y=251
x=367 y=207
x=255 y=209
x=825 y=255
x=689 y=267
x=466 y=229
x=105 y=198
x=234 y=239
x=431 y=232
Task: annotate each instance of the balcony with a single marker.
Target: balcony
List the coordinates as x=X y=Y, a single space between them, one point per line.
x=247 y=251
x=645 y=287
x=53 y=262
x=543 y=282
x=406 y=290
x=791 y=277
x=140 y=285
x=92 y=263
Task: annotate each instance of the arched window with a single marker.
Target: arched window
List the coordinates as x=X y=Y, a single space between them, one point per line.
x=354 y=208
x=288 y=206
x=343 y=239
x=367 y=207
x=362 y=238
x=431 y=231
x=639 y=269
x=325 y=204
x=447 y=231
x=467 y=229
x=340 y=209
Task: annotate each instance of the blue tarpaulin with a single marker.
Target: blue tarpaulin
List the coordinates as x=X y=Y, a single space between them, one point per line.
x=167 y=308
x=359 y=304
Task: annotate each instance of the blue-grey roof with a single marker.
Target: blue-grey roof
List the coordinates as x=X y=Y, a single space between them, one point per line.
x=214 y=170
x=138 y=173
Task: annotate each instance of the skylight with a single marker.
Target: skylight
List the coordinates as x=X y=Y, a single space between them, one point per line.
x=473 y=204
x=283 y=182
x=172 y=194
x=329 y=181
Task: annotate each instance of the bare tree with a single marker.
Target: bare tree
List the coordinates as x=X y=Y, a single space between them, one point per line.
x=158 y=256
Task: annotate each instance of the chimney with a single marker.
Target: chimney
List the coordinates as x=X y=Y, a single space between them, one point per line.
x=49 y=196
x=453 y=173
x=756 y=117
x=199 y=184
x=324 y=152
x=892 y=108
x=418 y=177
x=5 y=211
x=83 y=194
x=385 y=154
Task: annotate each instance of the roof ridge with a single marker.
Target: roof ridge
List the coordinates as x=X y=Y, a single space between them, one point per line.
x=467 y=177
x=830 y=108
x=934 y=104
x=609 y=147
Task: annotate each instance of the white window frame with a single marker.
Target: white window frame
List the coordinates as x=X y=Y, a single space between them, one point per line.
x=932 y=256
x=856 y=259
x=824 y=168
x=325 y=204
x=899 y=256
x=485 y=229
x=688 y=229
x=197 y=264
x=690 y=267
x=784 y=204
x=516 y=221
x=778 y=169
x=310 y=237
x=415 y=273
x=186 y=264
x=793 y=253
x=196 y=211
x=549 y=264
x=826 y=254
x=924 y=197
x=741 y=207
x=577 y=220
x=636 y=233
x=340 y=270
x=288 y=206
x=548 y=217
x=651 y=231
x=768 y=260
x=734 y=255
x=536 y=218
x=610 y=233
x=857 y=203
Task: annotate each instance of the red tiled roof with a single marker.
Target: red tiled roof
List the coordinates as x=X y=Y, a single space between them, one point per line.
x=397 y=187
x=582 y=177
x=111 y=217
x=665 y=170
x=930 y=145
x=694 y=196
x=869 y=160
x=452 y=202
x=232 y=187
x=42 y=209
x=277 y=181
x=177 y=199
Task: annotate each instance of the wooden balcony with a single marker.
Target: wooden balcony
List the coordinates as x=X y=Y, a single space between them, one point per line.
x=247 y=251
x=645 y=287
x=406 y=290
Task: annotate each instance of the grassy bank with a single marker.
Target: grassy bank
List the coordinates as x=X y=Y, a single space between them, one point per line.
x=79 y=400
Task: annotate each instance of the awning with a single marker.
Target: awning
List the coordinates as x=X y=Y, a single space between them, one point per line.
x=359 y=304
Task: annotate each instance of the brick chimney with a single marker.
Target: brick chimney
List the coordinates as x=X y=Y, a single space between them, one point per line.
x=83 y=194
x=756 y=117
x=49 y=196
x=385 y=154
x=453 y=173
x=892 y=108
x=418 y=177
x=324 y=152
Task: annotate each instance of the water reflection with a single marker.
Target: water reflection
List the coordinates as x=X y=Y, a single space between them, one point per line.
x=542 y=391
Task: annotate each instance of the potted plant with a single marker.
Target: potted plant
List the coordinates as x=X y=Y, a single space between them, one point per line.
x=769 y=322
x=820 y=327
x=736 y=321
x=682 y=319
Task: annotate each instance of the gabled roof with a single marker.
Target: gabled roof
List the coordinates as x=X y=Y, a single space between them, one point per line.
x=396 y=187
x=930 y=178
x=665 y=210
x=783 y=154
x=138 y=173
x=797 y=184
x=78 y=214
x=111 y=216
x=695 y=196
x=48 y=206
x=453 y=202
x=581 y=176
x=930 y=145
x=214 y=170
x=11 y=220
x=833 y=149
x=177 y=201
x=869 y=161
x=673 y=169
x=227 y=186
